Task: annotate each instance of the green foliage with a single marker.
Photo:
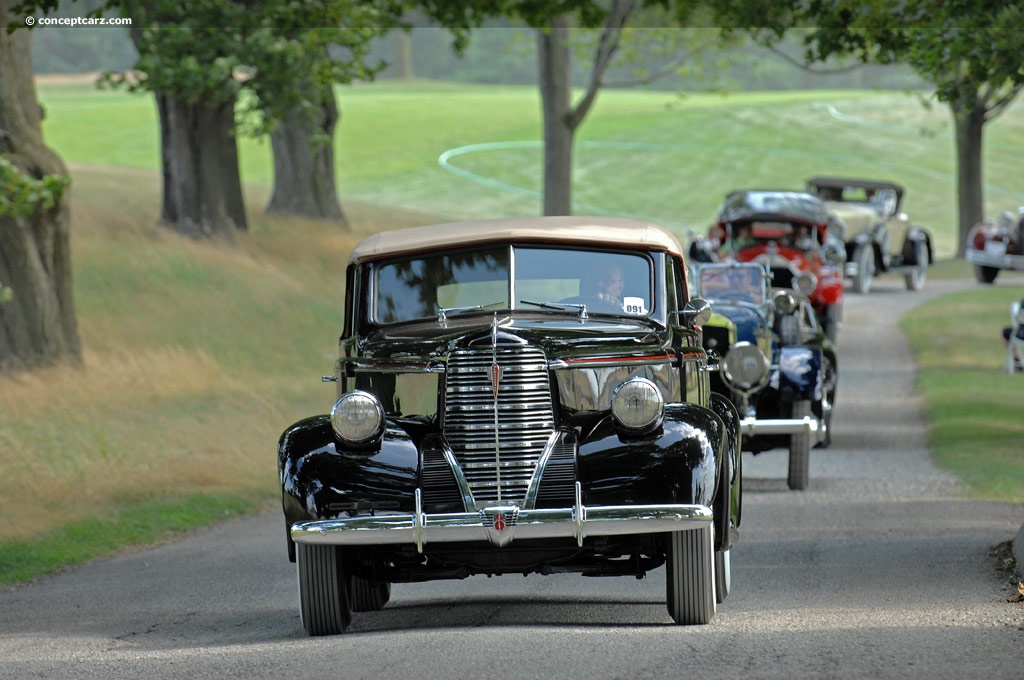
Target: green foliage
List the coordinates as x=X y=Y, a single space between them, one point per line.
x=968 y=49
x=21 y=195
x=273 y=57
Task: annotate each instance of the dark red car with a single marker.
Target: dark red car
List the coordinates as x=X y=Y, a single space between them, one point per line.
x=792 y=233
x=995 y=245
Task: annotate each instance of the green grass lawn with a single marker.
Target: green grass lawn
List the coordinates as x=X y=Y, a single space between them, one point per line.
x=197 y=355
x=974 y=407
x=656 y=155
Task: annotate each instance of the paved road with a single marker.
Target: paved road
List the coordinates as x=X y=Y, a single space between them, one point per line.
x=878 y=570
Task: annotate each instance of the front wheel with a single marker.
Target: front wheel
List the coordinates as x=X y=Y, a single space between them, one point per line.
x=864 y=258
x=799 y=449
x=690 y=576
x=324 y=605
x=832 y=322
x=368 y=596
x=915 y=277
x=985 y=274
x=723 y=575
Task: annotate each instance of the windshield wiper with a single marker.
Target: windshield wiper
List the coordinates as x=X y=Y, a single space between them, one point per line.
x=443 y=312
x=562 y=306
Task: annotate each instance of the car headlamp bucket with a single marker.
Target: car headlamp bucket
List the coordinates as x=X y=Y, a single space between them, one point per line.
x=357 y=417
x=637 y=405
x=805 y=282
x=745 y=368
x=784 y=301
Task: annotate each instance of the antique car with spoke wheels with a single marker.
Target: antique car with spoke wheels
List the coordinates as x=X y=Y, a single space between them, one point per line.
x=995 y=245
x=880 y=238
x=515 y=396
x=791 y=233
x=776 y=363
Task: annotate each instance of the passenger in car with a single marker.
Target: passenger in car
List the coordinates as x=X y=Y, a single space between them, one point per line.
x=610 y=285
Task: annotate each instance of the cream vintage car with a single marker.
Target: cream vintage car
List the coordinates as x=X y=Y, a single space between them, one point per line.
x=879 y=236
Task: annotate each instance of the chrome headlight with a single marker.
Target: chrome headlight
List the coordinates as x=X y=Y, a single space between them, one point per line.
x=745 y=368
x=805 y=282
x=637 y=405
x=357 y=417
x=784 y=302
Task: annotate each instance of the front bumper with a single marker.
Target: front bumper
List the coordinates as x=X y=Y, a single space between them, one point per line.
x=754 y=426
x=501 y=524
x=995 y=259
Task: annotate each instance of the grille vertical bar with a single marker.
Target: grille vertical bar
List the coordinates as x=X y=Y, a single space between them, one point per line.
x=498 y=440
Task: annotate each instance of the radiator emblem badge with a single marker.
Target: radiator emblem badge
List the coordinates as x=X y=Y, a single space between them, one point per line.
x=496 y=372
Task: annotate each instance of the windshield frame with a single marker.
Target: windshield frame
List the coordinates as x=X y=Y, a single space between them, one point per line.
x=650 y=282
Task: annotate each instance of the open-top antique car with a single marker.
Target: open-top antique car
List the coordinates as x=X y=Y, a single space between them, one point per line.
x=880 y=238
x=790 y=232
x=515 y=396
x=776 y=364
x=994 y=245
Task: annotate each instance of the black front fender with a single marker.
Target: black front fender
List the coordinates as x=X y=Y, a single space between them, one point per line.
x=319 y=480
x=678 y=463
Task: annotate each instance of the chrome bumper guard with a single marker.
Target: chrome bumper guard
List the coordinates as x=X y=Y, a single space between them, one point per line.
x=779 y=426
x=998 y=260
x=501 y=524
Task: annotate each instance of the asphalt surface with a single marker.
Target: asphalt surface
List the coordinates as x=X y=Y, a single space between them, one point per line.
x=878 y=570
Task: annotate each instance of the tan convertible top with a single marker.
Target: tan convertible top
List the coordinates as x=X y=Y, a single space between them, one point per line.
x=596 y=231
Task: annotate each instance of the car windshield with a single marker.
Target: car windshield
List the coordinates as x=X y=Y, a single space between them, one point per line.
x=732 y=282
x=880 y=199
x=759 y=233
x=511 y=278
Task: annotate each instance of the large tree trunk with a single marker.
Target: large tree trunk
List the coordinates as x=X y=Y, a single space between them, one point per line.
x=38 y=324
x=202 y=185
x=304 y=164
x=556 y=91
x=561 y=118
x=970 y=127
x=402 y=65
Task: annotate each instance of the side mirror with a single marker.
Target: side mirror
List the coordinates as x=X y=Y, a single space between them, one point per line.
x=697 y=312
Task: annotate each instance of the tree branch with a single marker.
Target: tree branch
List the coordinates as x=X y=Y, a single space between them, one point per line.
x=611 y=35
x=807 y=67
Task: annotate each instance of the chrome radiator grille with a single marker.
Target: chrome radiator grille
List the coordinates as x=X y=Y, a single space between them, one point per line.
x=497 y=418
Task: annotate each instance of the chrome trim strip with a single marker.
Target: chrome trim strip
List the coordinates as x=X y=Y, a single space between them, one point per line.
x=460 y=479
x=530 y=499
x=992 y=260
x=359 y=366
x=578 y=522
x=780 y=425
x=612 y=361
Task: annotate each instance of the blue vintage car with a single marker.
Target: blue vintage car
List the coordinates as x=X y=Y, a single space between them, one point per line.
x=776 y=363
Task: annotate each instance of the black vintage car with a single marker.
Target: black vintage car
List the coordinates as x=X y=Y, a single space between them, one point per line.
x=777 y=364
x=514 y=396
